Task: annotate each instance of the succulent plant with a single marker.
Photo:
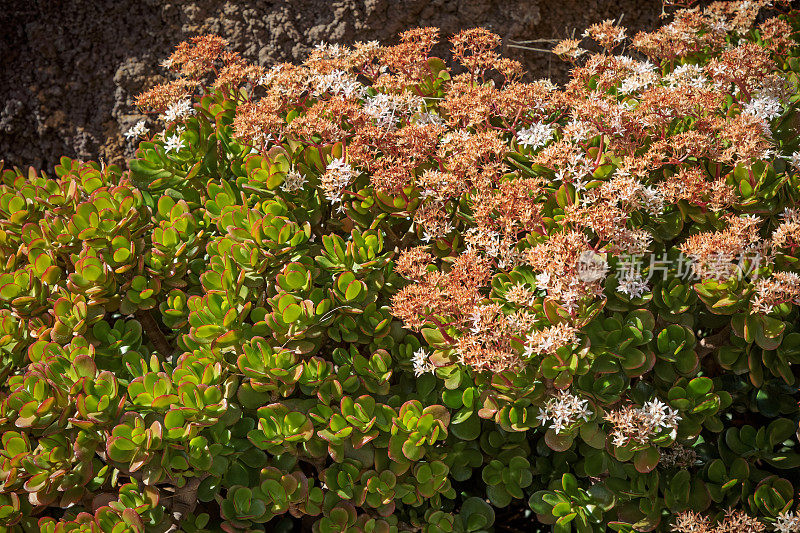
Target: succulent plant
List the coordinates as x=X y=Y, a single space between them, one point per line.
x=374 y=293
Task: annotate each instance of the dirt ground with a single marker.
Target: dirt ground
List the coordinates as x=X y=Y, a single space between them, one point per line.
x=69 y=69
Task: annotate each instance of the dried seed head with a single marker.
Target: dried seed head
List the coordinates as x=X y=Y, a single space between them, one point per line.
x=197 y=56
x=162 y=96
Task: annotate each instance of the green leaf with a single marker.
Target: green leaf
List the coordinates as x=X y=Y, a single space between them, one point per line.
x=354 y=288
x=468 y=428
x=570 y=484
x=291 y=313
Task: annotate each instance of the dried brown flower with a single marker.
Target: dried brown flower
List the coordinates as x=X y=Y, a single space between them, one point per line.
x=254 y=122
x=413 y=262
x=606 y=33
x=475 y=49
x=196 y=56
x=692 y=185
x=787 y=234
x=716 y=254
x=162 y=96
x=777 y=35
x=407 y=62
x=569 y=50
x=236 y=71
x=779 y=288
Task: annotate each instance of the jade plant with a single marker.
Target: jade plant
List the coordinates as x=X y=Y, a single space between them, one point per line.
x=380 y=291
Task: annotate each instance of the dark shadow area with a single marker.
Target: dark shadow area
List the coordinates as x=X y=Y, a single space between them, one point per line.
x=70 y=69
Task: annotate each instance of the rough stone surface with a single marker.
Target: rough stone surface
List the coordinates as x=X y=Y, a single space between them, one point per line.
x=70 y=68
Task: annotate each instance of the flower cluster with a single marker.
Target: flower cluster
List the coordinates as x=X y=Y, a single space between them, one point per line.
x=548 y=340
x=177 y=110
x=564 y=410
x=780 y=288
x=606 y=33
x=535 y=136
x=337 y=177
x=714 y=252
x=137 y=130
x=733 y=522
x=787 y=234
x=641 y=424
x=293 y=182
x=787 y=522
x=421 y=363
x=372 y=292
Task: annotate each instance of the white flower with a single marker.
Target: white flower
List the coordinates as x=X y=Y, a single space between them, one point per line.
x=543 y=416
x=339 y=164
x=720 y=25
x=387 y=109
x=266 y=78
x=382 y=107
x=564 y=410
x=570 y=302
x=263 y=139
x=616 y=122
x=177 y=110
x=632 y=284
x=293 y=181
x=659 y=415
x=637 y=82
x=535 y=136
x=687 y=75
x=543 y=280
x=795 y=160
x=338 y=175
x=791 y=279
x=791 y=214
x=428 y=118
x=644 y=67
x=764 y=107
x=475 y=318
x=655 y=410
x=643 y=423
x=580 y=184
x=584 y=411
x=136 y=131
x=331 y=51
x=751 y=220
x=787 y=522
x=173 y=143
x=579 y=130
x=421 y=363
x=337 y=82
x=652 y=199
x=620 y=440
x=548 y=340
x=543 y=346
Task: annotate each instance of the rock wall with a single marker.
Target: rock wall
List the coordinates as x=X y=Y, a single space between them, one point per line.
x=70 y=68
